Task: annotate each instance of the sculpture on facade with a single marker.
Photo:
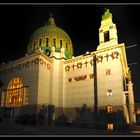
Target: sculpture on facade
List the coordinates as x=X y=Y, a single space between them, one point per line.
x=129 y=76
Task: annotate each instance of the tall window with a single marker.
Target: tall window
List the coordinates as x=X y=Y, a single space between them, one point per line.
x=54 y=42
x=47 y=42
x=60 y=43
x=109 y=109
x=40 y=42
x=106 y=36
x=66 y=46
x=15 y=93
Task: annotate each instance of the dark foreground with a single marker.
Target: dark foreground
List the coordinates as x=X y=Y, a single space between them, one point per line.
x=8 y=128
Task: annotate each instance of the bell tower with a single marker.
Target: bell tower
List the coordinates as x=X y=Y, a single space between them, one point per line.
x=107 y=31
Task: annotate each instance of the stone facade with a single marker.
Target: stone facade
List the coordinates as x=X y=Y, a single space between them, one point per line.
x=96 y=78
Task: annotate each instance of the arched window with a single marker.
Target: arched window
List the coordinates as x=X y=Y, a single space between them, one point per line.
x=15 y=92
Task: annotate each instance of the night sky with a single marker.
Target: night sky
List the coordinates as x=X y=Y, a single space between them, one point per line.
x=81 y=22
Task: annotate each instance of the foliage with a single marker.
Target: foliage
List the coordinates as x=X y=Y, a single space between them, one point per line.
x=45 y=116
x=114 y=117
x=51 y=111
x=117 y=118
x=27 y=119
x=84 y=116
x=62 y=120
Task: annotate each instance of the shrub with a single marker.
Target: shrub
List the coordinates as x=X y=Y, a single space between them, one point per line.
x=62 y=120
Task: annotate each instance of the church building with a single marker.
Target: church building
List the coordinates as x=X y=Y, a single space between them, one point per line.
x=49 y=73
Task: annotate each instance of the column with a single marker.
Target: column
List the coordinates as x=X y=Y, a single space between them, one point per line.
x=131 y=103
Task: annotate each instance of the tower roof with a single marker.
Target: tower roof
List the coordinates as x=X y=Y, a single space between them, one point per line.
x=106 y=14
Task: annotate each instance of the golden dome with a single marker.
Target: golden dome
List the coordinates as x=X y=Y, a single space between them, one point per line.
x=51 y=36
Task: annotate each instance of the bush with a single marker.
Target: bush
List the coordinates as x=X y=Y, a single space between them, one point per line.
x=27 y=119
x=62 y=120
x=33 y=119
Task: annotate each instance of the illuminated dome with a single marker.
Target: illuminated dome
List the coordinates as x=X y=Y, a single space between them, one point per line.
x=48 y=36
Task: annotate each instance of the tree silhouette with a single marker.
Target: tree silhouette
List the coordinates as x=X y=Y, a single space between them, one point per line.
x=84 y=116
x=62 y=120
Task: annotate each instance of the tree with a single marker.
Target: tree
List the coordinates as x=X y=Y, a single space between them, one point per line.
x=62 y=120
x=116 y=118
x=51 y=111
x=84 y=116
x=46 y=114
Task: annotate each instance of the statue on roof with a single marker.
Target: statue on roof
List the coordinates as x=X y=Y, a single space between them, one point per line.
x=106 y=15
x=129 y=75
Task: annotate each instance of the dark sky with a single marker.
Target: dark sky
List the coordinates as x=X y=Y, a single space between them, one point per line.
x=81 y=22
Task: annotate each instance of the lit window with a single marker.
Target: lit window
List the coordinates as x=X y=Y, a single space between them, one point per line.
x=60 y=43
x=106 y=36
x=54 y=42
x=40 y=42
x=47 y=41
x=15 y=93
x=109 y=92
x=109 y=109
x=110 y=126
x=108 y=72
x=138 y=111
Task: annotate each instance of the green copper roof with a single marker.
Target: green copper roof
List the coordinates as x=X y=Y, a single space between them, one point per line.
x=106 y=15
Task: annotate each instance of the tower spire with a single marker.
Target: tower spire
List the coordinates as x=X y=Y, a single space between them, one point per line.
x=51 y=15
x=107 y=31
x=107 y=14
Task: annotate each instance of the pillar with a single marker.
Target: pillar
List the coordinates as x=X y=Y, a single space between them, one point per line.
x=132 y=115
